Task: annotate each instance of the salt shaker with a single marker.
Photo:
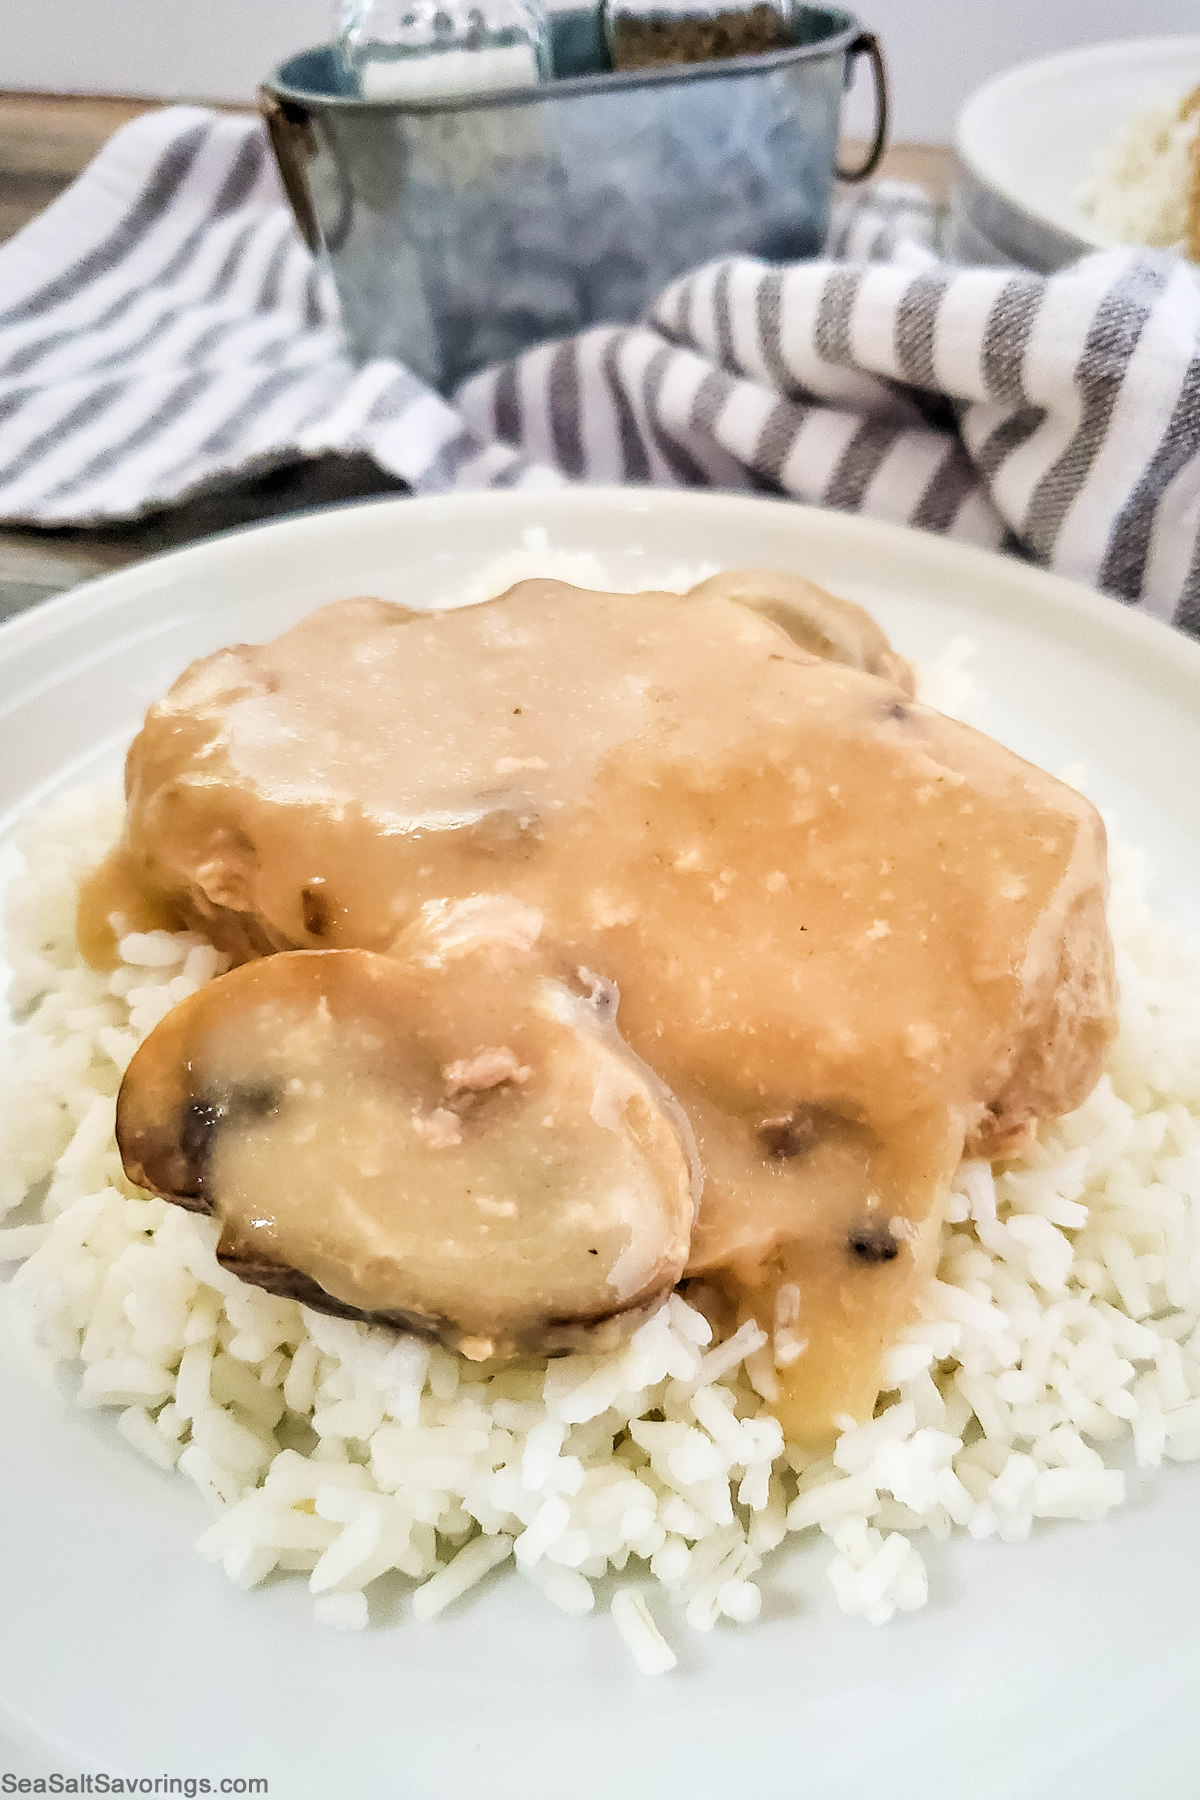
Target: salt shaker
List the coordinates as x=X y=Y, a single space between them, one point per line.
x=646 y=33
x=427 y=49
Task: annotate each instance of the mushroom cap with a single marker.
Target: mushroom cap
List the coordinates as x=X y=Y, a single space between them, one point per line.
x=825 y=625
x=455 y=1142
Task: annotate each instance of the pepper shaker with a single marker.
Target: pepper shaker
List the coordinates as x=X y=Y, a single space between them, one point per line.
x=648 y=33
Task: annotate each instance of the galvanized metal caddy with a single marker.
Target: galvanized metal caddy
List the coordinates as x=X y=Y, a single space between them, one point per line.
x=462 y=231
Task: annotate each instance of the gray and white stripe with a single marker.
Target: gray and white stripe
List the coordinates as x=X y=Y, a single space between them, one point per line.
x=163 y=328
x=1055 y=416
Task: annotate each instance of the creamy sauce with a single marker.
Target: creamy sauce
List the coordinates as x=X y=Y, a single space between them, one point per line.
x=849 y=934
x=116 y=898
x=447 y=1139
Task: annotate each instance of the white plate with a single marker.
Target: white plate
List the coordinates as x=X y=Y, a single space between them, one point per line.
x=1027 y=140
x=1066 y=1667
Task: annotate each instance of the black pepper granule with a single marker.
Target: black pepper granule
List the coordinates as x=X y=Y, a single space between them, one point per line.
x=314 y=906
x=789 y=1134
x=872 y=1242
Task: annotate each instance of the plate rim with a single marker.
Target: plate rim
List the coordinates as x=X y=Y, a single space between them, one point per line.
x=1065 y=596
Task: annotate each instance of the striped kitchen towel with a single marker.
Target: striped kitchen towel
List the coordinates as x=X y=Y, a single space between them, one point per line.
x=162 y=328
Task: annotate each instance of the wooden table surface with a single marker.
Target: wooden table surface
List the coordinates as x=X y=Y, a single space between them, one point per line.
x=45 y=141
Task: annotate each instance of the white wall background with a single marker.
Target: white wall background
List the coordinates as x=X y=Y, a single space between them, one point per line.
x=938 y=50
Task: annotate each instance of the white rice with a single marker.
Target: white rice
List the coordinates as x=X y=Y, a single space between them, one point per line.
x=1061 y=1331
x=647 y=1645
x=1140 y=181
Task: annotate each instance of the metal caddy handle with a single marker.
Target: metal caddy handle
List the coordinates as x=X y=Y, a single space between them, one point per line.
x=292 y=139
x=867 y=44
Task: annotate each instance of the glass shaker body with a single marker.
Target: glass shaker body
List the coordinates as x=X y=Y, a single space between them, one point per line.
x=423 y=49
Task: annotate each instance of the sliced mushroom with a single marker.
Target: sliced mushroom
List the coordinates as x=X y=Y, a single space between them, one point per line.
x=821 y=623
x=453 y=1142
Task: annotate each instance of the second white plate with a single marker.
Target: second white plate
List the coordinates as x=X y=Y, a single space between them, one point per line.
x=1026 y=141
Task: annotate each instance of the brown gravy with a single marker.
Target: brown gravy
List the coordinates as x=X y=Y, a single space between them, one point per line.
x=850 y=934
